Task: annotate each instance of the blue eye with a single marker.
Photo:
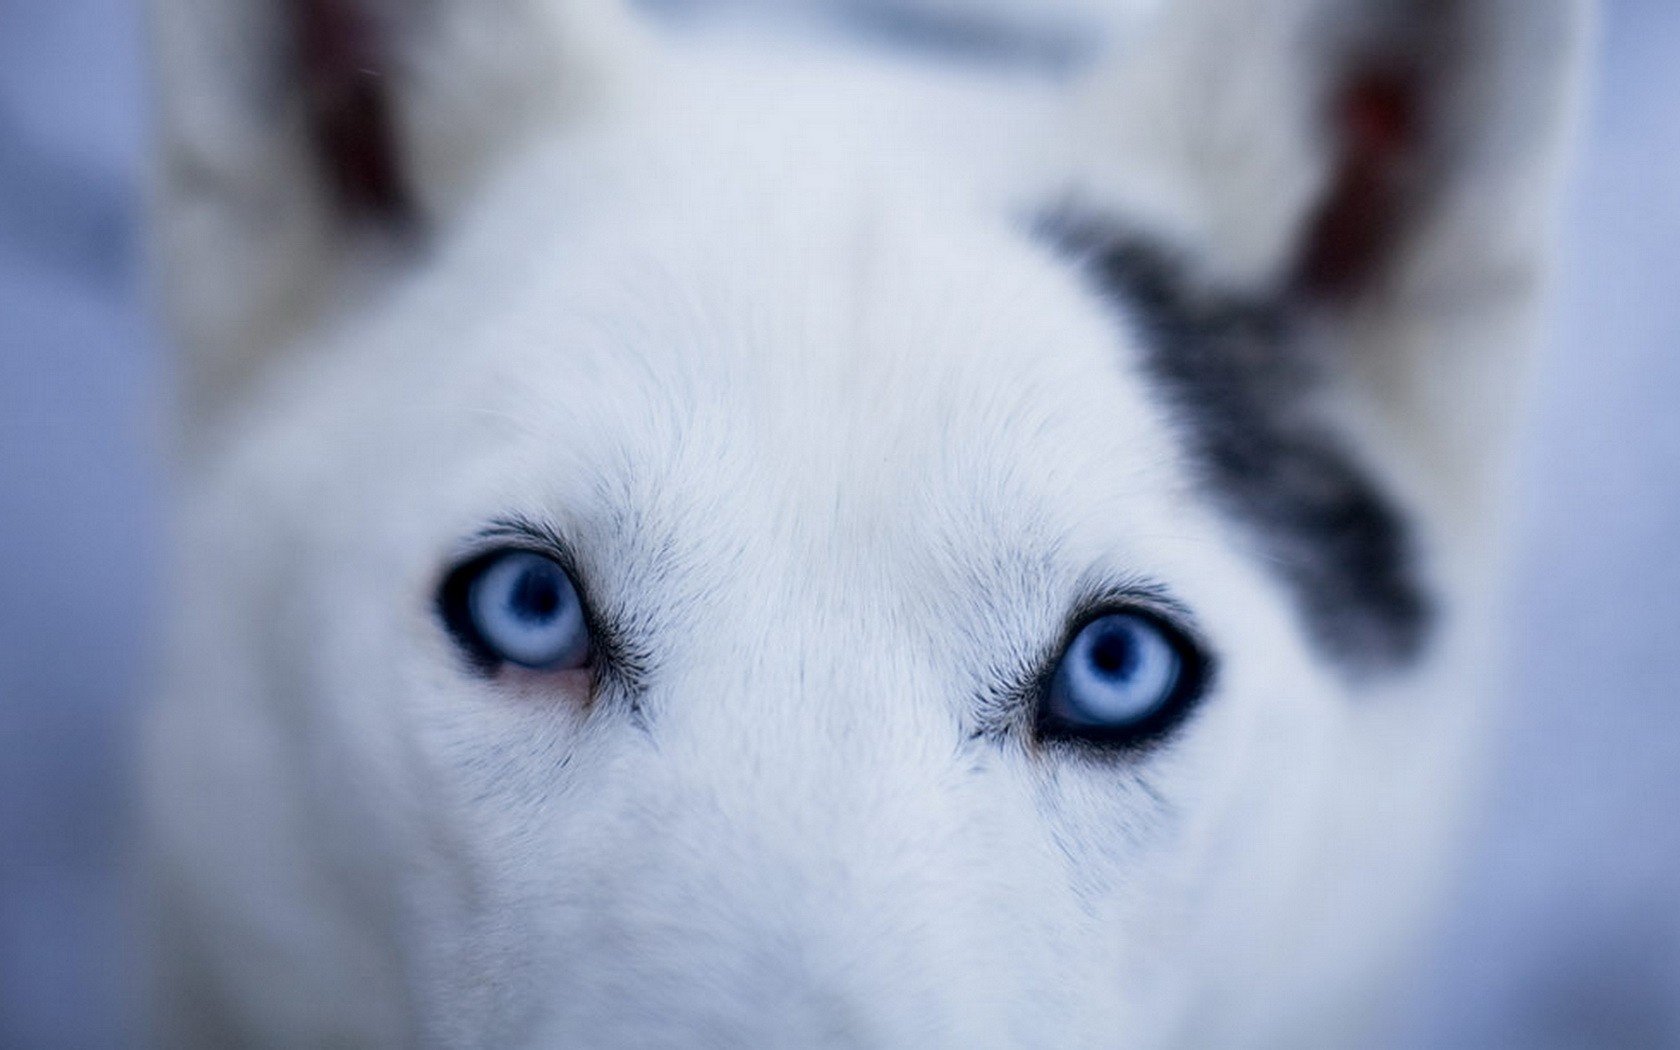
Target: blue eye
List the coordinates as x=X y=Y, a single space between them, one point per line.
x=1126 y=677
x=517 y=607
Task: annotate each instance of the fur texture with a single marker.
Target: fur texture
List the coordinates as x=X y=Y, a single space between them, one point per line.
x=771 y=340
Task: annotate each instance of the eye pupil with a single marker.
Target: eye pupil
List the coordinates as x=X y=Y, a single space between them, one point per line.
x=537 y=595
x=1113 y=654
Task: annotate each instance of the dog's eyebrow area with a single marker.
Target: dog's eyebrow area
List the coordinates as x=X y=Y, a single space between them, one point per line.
x=1239 y=385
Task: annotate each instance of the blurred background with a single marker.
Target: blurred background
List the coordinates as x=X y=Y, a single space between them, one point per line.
x=1566 y=929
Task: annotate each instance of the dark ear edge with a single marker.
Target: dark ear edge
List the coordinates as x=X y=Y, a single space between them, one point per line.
x=308 y=149
x=344 y=67
x=1426 y=100
x=1375 y=179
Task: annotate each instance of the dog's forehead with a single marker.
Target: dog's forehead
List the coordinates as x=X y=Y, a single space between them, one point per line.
x=853 y=367
x=863 y=399
x=859 y=343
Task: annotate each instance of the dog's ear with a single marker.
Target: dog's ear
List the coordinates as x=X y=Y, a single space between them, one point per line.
x=306 y=142
x=1386 y=168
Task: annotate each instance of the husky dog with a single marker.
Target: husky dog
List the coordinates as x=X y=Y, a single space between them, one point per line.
x=693 y=540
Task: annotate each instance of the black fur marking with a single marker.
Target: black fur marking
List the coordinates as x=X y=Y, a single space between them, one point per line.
x=1241 y=385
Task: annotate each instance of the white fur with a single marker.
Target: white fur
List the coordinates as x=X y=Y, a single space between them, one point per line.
x=761 y=335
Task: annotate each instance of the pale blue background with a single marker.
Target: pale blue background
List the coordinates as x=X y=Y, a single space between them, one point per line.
x=1567 y=933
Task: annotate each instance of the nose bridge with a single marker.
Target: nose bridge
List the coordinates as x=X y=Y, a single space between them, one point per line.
x=806 y=813
x=793 y=732
x=800 y=651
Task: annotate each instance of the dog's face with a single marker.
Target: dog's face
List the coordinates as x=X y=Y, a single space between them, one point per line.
x=825 y=558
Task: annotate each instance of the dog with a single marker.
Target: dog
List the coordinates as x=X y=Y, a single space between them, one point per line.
x=723 y=537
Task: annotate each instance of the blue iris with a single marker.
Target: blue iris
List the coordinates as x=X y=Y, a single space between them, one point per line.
x=1123 y=675
x=522 y=608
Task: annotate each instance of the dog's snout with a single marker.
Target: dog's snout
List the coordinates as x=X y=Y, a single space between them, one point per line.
x=730 y=916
